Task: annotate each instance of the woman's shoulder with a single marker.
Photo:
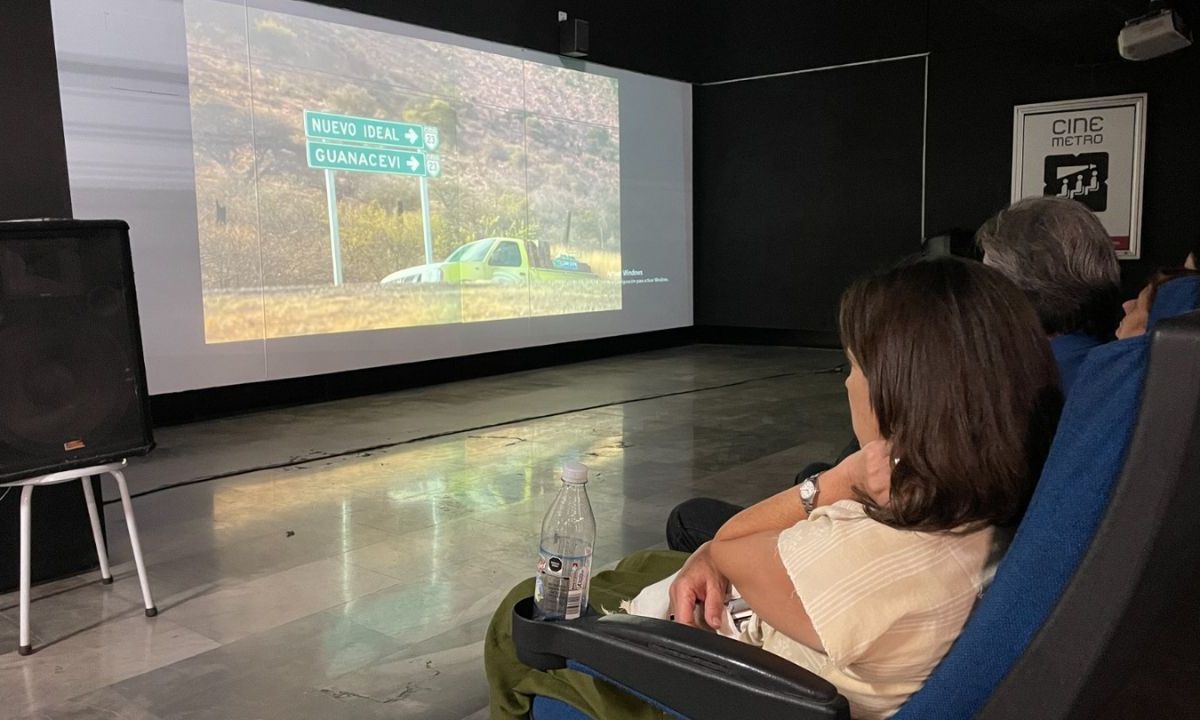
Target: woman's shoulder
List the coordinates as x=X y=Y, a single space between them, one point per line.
x=847 y=520
x=841 y=511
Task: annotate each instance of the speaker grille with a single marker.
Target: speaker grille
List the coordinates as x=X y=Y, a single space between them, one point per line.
x=72 y=380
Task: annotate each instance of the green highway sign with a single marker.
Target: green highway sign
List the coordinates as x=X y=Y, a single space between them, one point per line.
x=345 y=142
x=334 y=156
x=348 y=128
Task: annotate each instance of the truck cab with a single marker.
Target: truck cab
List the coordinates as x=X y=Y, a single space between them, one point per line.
x=500 y=261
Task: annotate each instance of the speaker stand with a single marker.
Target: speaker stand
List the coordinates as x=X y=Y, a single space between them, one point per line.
x=27 y=485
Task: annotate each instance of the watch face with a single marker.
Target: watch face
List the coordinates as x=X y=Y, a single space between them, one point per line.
x=807 y=490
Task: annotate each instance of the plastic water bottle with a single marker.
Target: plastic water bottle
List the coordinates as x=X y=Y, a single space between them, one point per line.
x=565 y=555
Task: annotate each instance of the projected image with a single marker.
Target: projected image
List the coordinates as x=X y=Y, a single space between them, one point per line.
x=350 y=180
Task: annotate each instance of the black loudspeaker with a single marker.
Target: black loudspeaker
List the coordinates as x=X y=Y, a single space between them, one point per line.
x=573 y=37
x=72 y=376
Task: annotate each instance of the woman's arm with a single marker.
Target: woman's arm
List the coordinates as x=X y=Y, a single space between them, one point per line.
x=764 y=584
x=700 y=580
x=784 y=509
x=870 y=468
x=781 y=510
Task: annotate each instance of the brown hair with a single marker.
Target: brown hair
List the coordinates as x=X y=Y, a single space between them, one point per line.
x=963 y=384
x=1164 y=275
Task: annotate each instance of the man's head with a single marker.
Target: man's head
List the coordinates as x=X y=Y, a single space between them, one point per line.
x=1057 y=251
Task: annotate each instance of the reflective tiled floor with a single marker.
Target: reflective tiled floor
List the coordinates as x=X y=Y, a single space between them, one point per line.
x=354 y=577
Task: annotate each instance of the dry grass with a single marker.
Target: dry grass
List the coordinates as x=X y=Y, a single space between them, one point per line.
x=251 y=315
x=574 y=296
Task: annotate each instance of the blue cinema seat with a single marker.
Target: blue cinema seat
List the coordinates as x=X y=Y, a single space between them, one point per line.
x=1098 y=551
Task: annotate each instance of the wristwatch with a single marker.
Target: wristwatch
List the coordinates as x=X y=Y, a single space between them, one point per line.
x=809 y=490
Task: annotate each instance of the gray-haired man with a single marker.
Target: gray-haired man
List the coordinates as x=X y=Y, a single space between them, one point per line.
x=1057 y=251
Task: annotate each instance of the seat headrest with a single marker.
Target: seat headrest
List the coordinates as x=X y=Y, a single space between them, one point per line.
x=1174 y=297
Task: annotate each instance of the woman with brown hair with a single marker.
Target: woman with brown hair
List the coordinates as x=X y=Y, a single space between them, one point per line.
x=866 y=574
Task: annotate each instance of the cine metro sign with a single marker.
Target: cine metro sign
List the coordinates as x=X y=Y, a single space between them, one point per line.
x=1089 y=150
x=349 y=128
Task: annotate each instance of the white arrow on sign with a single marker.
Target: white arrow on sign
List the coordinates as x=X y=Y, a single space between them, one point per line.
x=413 y=164
x=411 y=136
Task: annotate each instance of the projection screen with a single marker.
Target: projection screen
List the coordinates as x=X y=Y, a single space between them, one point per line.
x=312 y=190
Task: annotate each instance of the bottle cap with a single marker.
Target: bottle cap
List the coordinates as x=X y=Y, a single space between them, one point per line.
x=575 y=473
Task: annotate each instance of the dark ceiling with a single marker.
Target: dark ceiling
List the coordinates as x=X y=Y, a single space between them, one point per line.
x=1086 y=29
x=763 y=36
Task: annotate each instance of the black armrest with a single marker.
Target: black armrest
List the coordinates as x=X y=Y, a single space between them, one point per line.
x=698 y=674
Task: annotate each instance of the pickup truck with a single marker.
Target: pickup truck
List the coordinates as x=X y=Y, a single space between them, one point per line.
x=502 y=261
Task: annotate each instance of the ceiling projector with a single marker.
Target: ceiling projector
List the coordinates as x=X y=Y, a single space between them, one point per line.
x=1156 y=33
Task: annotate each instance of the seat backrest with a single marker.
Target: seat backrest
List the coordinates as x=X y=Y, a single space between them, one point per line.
x=1071 y=498
x=1145 y=554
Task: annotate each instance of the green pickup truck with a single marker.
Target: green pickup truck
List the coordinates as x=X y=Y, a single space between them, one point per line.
x=502 y=261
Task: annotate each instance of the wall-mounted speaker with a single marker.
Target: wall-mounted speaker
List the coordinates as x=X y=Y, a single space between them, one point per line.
x=573 y=37
x=72 y=376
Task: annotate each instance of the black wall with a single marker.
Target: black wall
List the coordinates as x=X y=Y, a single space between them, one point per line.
x=757 y=37
x=984 y=58
x=803 y=182
x=33 y=166
x=653 y=37
x=33 y=183
x=823 y=182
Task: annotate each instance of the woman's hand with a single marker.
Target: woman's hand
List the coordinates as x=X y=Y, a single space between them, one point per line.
x=869 y=469
x=699 y=581
x=878 y=465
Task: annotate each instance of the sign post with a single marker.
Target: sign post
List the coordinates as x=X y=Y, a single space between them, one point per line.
x=425 y=220
x=433 y=168
x=335 y=238
x=356 y=144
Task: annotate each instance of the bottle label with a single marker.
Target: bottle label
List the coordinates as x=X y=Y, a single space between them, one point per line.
x=562 y=584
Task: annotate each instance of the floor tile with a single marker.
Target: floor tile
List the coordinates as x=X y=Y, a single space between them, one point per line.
x=236 y=611
x=9 y=634
x=254 y=675
x=103 y=703
x=55 y=617
x=440 y=685
x=107 y=654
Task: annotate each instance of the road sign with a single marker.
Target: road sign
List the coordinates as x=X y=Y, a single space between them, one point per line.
x=335 y=156
x=431 y=138
x=345 y=142
x=433 y=165
x=348 y=128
